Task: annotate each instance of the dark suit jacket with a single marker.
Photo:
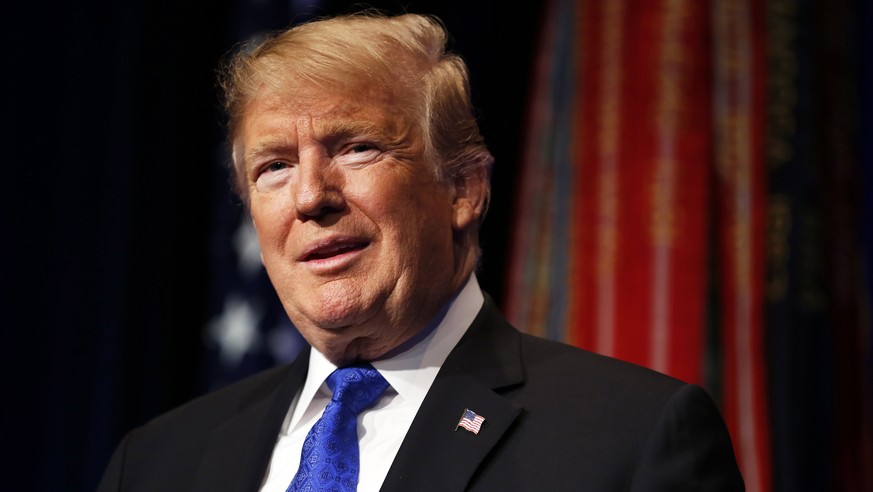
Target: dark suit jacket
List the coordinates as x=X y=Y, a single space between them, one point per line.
x=557 y=418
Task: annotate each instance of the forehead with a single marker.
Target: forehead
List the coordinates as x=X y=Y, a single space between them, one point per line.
x=324 y=112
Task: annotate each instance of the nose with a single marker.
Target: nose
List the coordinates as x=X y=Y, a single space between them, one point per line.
x=319 y=190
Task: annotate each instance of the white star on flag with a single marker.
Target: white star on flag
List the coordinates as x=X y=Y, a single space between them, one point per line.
x=235 y=330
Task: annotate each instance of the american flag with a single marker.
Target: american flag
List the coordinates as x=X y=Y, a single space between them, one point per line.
x=470 y=421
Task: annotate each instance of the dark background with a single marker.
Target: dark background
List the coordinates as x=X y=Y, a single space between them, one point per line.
x=114 y=188
x=111 y=134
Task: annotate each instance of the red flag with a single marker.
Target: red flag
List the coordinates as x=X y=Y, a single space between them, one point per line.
x=642 y=184
x=739 y=131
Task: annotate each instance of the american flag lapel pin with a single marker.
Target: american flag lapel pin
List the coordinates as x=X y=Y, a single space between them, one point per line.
x=470 y=421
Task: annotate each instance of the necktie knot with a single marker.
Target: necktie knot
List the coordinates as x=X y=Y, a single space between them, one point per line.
x=357 y=387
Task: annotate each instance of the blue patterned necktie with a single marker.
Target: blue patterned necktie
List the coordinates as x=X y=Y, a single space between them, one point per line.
x=329 y=460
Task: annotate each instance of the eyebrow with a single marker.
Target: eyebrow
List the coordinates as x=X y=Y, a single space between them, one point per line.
x=391 y=132
x=343 y=128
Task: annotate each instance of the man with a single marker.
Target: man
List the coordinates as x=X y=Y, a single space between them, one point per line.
x=356 y=151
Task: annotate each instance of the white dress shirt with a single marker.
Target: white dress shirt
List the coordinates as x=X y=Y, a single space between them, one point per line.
x=381 y=428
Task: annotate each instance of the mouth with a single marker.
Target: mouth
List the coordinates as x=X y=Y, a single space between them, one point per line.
x=333 y=248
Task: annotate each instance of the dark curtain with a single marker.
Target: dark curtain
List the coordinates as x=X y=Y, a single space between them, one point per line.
x=111 y=138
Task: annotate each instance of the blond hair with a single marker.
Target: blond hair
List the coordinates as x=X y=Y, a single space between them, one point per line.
x=404 y=56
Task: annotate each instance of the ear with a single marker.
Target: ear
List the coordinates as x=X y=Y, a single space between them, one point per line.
x=471 y=196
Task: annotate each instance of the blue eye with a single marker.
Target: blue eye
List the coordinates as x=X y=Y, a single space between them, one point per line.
x=275 y=166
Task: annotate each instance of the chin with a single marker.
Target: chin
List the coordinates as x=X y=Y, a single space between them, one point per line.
x=340 y=318
x=342 y=303
x=332 y=321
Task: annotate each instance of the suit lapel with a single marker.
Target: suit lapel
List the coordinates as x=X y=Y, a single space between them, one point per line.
x=435 y=456
x=238 y=451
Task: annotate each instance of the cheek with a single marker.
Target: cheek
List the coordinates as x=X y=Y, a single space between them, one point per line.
x=423 y=224
x=271 y=222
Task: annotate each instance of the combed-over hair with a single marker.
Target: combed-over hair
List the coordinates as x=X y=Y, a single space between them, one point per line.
x=404 y=56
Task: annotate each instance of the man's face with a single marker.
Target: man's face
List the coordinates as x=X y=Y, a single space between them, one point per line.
x=355 y=231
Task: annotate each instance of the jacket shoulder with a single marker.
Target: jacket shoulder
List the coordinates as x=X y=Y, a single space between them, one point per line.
x=166 y=452
x=221 y=403
x=567 y=366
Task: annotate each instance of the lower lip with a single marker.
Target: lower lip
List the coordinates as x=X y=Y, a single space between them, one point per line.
x=333 y=264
